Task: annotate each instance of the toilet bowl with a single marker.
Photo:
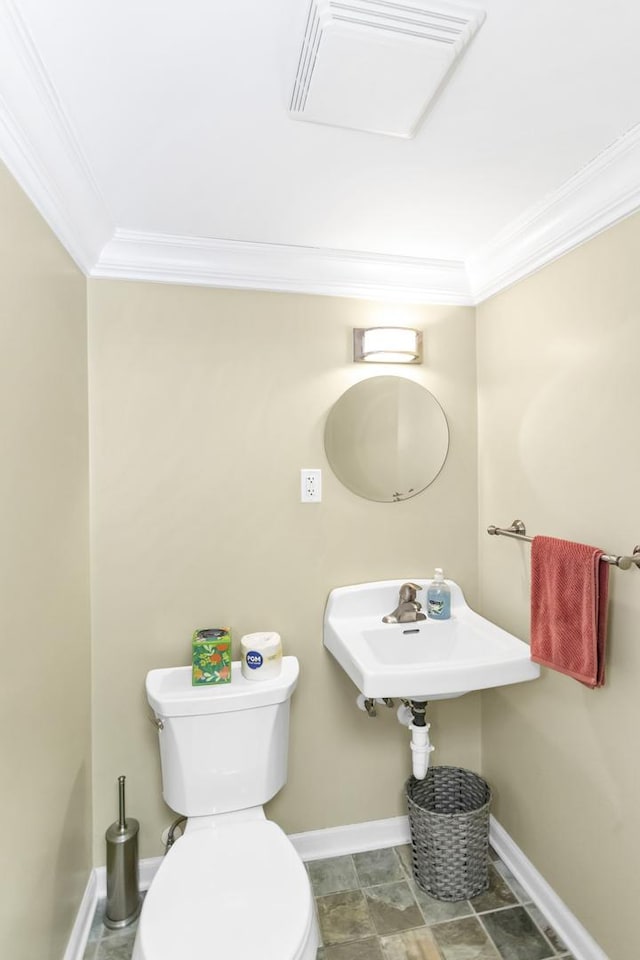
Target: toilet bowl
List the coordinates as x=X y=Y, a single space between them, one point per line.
x=237 y=892
x=233 y=886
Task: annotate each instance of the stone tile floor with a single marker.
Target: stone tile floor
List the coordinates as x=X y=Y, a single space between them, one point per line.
x=106 y=944
x=369 y=908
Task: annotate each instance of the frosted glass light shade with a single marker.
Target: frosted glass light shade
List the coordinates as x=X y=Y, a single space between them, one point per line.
x=387 y=345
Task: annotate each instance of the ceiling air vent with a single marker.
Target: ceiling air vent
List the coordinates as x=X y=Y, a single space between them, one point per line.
x=376 y=65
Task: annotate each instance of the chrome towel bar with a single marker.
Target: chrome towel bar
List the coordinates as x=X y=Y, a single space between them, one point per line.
x=518 y=531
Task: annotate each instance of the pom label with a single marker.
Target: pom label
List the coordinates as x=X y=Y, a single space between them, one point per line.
x=254 y=659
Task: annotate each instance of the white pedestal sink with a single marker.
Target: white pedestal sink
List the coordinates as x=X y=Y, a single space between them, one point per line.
x=428 y=659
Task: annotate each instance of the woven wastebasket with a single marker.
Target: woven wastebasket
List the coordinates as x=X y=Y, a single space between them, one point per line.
x=449 y=821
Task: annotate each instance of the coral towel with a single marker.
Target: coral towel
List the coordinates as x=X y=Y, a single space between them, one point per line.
x=569 y=590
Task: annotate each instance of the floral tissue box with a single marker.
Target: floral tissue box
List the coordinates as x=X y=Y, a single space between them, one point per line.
x=211 y=656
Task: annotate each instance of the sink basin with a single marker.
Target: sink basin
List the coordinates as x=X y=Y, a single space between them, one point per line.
x=428 y=659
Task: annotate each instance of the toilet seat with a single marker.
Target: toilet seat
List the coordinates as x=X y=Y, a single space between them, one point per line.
x=234 y=891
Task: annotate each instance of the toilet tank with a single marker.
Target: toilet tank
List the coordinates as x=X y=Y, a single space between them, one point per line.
x=222 y=747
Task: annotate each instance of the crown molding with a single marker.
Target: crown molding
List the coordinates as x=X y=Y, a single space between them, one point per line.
x=40 y=148
x=268 y=266
x=601 y=194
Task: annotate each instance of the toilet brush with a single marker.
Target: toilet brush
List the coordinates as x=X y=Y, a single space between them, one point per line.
x=123 y=898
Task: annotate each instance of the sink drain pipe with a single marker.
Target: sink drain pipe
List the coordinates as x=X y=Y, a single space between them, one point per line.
x=412 y=715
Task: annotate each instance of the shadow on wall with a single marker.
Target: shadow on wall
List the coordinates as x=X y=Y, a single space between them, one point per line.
x=72 y=861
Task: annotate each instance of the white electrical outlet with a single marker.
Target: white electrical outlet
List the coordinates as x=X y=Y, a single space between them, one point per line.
x=310 y=486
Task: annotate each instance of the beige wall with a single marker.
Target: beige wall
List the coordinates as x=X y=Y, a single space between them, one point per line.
x=558 y=447
x=45 y=682
x=204 y=405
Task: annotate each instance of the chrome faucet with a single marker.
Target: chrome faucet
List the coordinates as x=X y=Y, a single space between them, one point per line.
x=408 y=609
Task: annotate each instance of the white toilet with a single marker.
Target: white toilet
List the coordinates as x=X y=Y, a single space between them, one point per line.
x=233 y=886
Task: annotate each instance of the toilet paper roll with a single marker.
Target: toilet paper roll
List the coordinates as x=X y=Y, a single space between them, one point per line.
x=261 y=655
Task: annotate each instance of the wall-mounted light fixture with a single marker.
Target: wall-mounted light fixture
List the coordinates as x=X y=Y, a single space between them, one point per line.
x=387 y=345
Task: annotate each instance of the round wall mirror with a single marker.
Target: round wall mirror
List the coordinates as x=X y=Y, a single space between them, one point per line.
x=386 y=438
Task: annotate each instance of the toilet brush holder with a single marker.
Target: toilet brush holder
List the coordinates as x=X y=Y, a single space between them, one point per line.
x=123 y=897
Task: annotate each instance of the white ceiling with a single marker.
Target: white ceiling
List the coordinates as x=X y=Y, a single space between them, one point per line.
x=155 y=138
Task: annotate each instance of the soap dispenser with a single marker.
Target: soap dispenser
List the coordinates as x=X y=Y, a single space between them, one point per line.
x=438 y=598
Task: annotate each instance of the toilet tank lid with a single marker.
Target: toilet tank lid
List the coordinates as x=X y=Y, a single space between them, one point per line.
x=171 y=694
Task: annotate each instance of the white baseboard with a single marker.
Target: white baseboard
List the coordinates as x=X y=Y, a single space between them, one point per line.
x=578 y=940
x=353 y=838
x=312 y=845
x=84 y=919
x=147 y=872
x=374 y=835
